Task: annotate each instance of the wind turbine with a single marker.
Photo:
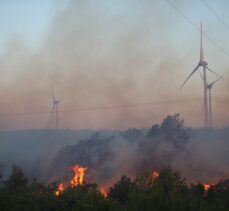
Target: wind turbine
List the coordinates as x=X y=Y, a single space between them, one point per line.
x=202 y=63
x=209 y=87
x=55 y=108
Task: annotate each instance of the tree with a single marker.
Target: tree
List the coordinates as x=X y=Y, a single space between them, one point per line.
x=154 y=131
x=164 y=192
x=121 y=190
x=172 y=129
x=91 y=153
x=16 y=180
x=164 y=142
x=132 y=134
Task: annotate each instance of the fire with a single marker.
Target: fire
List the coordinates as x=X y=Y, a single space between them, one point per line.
x=155 y=174
x=60 y=189
x=103 y=191
x=206 y=187
x=78 y=178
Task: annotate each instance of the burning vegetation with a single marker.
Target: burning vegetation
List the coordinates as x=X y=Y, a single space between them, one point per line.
x=132 y=170
x=60 y=189
x=79 y=172
x=163 y=190
x=78 y=179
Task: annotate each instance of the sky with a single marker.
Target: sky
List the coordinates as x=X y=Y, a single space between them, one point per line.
x=25 y=17
x=114 y=63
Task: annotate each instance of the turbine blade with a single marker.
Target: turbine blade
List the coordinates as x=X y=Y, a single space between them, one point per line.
x=201 y=75
x=56 y=116
x=201 y=44
x=214 y=72
x=51 y=117
x=202 y=111
x=189 y=76
x=53 y=94
x=53 y=107
x=211 y=84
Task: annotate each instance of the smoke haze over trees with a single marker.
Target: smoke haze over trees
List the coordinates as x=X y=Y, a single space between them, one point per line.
x=199 y=154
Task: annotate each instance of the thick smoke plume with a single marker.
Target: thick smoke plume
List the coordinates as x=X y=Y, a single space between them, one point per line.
x=200 y=154
x=102 y=53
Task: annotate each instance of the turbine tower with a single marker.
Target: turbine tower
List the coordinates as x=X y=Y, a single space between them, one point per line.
x=55 y=108
x=209 y=87
x=202 y=63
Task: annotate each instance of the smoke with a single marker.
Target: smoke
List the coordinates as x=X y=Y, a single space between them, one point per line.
x=34 y=150
x=207 y=156
x=105 y=54
x=102 y=53
x=199 y=154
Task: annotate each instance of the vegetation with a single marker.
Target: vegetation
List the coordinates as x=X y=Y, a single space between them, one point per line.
x=164 y=192
x=151 y=191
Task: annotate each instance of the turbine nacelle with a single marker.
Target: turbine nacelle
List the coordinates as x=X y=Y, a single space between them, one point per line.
x=55 y=102
x=209 y=86
x=203 y=63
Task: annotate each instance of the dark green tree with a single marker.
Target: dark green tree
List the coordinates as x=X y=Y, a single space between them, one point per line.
x=166 y=192
x=121 y=190
x=16 y=180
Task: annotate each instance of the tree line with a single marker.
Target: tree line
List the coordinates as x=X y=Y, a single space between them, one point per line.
x=166 y=191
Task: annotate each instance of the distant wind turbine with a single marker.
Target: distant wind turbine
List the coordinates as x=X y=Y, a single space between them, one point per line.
x=202 y=63
x=55 y=108
x=209 y=87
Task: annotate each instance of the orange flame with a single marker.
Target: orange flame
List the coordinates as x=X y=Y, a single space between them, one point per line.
x=60 y=189
x=103 y=191
x=78 y=178
x=206 y=187
x=155 y=174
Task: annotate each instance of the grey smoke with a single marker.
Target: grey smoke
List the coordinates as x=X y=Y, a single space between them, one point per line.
x=99 y=53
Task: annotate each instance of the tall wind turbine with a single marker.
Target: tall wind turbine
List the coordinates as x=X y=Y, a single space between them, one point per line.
x=202 y=63
x=55 y=108
x=209 y=87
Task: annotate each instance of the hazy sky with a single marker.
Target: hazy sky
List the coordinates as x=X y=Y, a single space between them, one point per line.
x=105 y=53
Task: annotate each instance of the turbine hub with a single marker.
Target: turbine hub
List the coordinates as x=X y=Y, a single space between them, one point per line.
x=55 y=102
x=203 y=63
x=209 y=86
